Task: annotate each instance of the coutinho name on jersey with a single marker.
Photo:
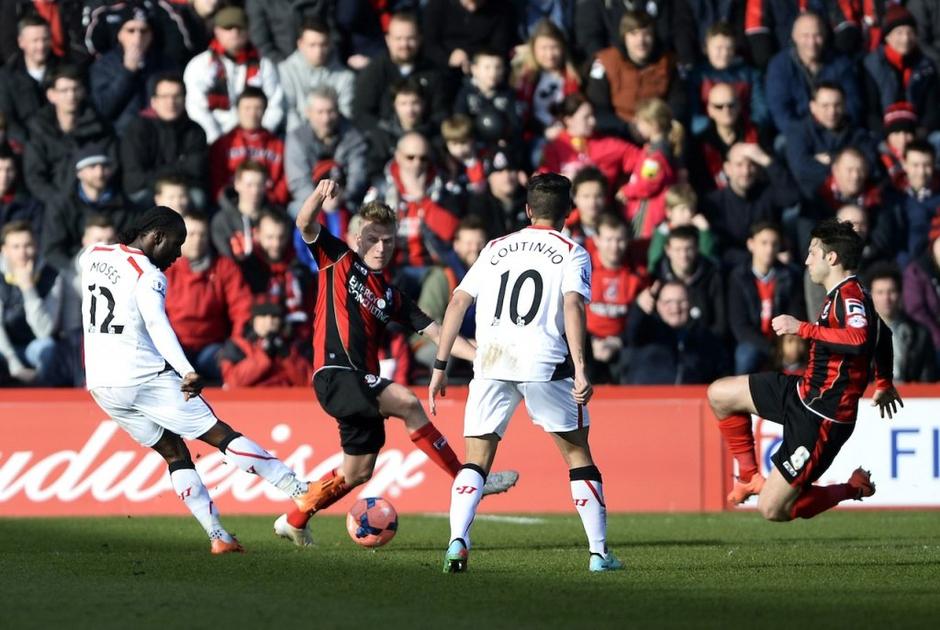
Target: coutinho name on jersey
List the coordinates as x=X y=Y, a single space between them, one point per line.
x=549 y=251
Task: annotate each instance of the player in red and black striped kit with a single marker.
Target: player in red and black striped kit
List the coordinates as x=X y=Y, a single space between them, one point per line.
x=817 y=410
x=354 y=304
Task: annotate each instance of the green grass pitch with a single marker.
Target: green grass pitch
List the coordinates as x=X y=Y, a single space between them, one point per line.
x=843 y=569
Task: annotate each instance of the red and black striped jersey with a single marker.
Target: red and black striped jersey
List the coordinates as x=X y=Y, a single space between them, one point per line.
x=847 y=339
x=354 y=305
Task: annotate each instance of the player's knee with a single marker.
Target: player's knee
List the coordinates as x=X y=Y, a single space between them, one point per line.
x=413 y=408
x=716 y=394
x=772 y=512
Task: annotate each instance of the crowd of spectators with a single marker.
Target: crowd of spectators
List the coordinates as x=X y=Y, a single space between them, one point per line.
x=704 y=140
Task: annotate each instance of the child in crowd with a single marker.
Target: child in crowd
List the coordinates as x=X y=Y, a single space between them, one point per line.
x=486 y=99
x=462 y=167
x=681 y=209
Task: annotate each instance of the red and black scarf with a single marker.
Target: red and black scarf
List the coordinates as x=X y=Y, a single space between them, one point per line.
x=218 y=93
x=904 y=64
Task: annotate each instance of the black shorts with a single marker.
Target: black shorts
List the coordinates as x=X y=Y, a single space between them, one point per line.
x=810 y=442
x=352 y=398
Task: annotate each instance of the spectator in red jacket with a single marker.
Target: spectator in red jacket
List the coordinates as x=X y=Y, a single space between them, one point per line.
x=614 y=286
x=207 y=300
x=249 y=141
x=273 y=270
x=650 y=167
x=578 y=145
x=265 y=356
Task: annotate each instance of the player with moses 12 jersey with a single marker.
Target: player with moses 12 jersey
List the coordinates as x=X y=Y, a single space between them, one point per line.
x=133 y=363
x=530 y=288
x=818 y=409
x=354 y=305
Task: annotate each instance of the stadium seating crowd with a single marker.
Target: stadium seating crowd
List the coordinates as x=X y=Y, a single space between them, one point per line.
x=704 y=140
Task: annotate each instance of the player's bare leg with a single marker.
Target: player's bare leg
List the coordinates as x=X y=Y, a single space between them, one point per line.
x=731 y=401
x=400 y=402
x=193 y=493
x=587 y=491
x=777 y=497
x=465 y=495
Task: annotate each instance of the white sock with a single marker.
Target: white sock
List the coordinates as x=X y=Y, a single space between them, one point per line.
x=588 y=495
x=465 y=495
x=190 y=489
x=247 y=455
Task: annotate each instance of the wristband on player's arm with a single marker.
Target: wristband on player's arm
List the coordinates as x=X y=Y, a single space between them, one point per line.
x=439 y=364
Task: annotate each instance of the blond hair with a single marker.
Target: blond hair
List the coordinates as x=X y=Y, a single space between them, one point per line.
x=656 y=112
x=681 y=195
x=457 y=128
x=523 y=62
x=378 y=212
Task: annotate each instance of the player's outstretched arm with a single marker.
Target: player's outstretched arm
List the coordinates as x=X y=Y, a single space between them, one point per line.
x=308 y=219
x=575 y=331
x=447 y=337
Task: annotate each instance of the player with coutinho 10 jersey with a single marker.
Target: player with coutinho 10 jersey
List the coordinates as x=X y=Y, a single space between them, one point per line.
x=530 y=288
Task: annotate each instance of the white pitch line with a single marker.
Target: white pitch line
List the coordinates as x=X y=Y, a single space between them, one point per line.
x=495 y=518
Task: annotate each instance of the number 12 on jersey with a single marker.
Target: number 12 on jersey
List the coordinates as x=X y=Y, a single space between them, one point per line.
x=106 y=326
x=515 y=317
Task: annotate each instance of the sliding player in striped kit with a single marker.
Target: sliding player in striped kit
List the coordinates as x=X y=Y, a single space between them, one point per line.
x=530 y=288
x=138 y=374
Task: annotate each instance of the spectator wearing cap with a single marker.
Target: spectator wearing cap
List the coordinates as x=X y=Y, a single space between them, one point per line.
x=921 y=298
x=93 y=194
x=900 y=128
x=633 y=71
x=795 y=70
x=403 y=59
x=164 y=142
x=240 y=208
x=903 y=227
x=409 y=113
x=427 y=213
x=122 y=79
x=272 y=270
x=898 y=71
x=16 y=204
x=814 y=142
x=207 y=300
x=30 y=310
x=249 y=141
x=455 y=30
x=501 y=205
x=310 y=66
x=265 y=355
x=275 y=24
x=327 y=135
x=57 y=132
x=23 y=77
x=216 y=77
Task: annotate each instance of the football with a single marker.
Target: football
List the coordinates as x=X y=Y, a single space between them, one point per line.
x=372 y=522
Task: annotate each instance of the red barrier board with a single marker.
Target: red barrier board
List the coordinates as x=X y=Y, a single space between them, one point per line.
x=657 y=448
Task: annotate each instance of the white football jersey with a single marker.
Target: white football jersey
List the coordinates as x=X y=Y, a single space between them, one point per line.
x=123 y=295
x=519 y=283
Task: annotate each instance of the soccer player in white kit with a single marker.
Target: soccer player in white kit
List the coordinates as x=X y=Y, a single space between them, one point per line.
x=530 y=288
x=133 y=363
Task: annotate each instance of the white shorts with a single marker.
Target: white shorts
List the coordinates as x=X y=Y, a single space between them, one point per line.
x=144 y=411
x=490 y=405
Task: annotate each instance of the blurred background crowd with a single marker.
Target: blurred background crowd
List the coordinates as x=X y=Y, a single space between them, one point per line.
x=704 y=140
